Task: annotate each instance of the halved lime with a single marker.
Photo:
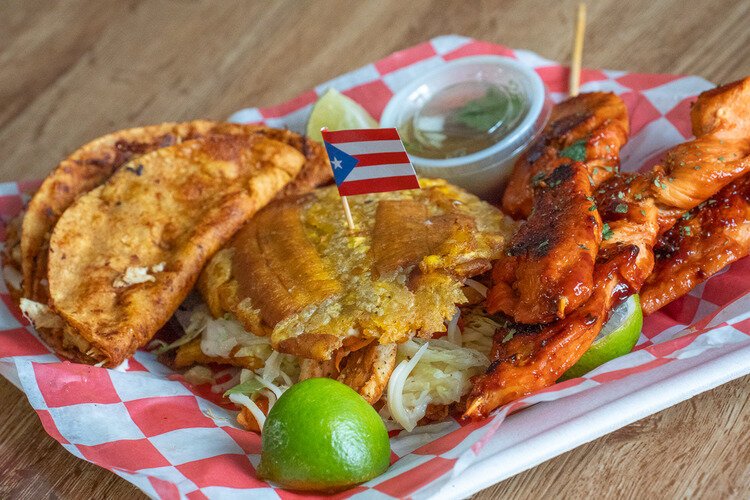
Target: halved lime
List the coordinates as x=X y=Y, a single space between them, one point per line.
x=323 y=436
x=337 y=112
x=617 y=338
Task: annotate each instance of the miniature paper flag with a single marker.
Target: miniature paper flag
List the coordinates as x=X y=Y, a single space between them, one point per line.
x=369 y=161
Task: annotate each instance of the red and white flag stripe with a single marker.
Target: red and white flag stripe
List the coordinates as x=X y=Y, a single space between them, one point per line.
x=382 y=162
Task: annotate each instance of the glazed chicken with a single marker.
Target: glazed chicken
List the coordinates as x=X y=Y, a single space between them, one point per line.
x=527 y=358
x=635 y=210
x=547 y=271
x=704 y=241
x=547 y=268
x=590 y=128
x=696 y=170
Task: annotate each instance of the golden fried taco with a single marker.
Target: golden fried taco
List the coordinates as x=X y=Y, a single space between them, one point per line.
x=124 y=255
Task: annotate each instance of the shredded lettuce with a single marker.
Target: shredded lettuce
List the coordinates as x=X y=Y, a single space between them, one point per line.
x=249 y=387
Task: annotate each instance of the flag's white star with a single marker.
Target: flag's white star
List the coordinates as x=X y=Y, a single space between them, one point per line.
x=336 y=163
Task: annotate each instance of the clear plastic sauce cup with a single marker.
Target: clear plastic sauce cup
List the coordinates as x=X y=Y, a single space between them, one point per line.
x=469 y=120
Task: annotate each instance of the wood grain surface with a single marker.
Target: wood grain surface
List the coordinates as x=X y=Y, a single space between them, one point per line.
x=71 y=71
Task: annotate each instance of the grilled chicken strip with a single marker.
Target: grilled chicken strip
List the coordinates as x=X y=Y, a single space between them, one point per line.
x=696 y=170
x=636 y=208
x=590 y=128
x=537 y=355
x=704 y=241
x=547 y=269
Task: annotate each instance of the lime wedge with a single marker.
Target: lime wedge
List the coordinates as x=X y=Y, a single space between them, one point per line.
x=618 y=337
x=337 y=112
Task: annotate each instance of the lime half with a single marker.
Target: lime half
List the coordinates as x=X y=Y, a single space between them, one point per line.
x=337 y=112
x=617 y=338
x=323 y=436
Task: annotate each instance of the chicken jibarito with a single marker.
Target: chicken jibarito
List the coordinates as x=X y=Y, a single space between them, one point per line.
x=296 y=274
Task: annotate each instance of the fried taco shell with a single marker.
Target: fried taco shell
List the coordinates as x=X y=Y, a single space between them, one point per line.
x=95 y=162
x=124 y=255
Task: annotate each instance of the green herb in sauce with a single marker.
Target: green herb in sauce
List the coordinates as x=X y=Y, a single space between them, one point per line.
x=463 y=119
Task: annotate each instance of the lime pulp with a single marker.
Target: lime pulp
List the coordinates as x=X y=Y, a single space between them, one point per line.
x=617 y=338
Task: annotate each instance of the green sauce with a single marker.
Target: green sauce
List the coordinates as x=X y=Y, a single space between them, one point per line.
x=463 y=119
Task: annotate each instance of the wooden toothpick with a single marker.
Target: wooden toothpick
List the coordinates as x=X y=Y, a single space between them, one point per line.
x=344 y=201
x=577 y=56
x=348 y=213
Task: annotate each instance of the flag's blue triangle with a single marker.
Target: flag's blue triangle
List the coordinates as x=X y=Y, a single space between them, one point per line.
x=341 y=163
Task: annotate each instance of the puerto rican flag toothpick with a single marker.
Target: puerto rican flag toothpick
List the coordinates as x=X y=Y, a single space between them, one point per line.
x=368 y=161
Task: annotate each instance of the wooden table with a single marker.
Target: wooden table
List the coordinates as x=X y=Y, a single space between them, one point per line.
x=70 y=71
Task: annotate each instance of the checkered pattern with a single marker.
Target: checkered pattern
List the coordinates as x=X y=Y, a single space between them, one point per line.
x=149 y=426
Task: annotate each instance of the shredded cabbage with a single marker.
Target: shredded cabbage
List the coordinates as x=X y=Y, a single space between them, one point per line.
x=453 y=334
x=479 y=330
x=477 y=286
x=278 y=373
x=199 y=375
x=430 y=372
x=197 y=325
x=407 y=417
x=242 y=400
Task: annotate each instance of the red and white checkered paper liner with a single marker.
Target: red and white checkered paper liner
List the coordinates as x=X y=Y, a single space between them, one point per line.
x=146 y=424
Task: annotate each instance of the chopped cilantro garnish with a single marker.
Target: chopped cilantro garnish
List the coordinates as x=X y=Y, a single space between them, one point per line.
x=576 y=151
x=607 y=232
x=621 y=208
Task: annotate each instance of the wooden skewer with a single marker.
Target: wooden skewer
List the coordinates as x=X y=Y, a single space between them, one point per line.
x=344 y=201
x=575 y=64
